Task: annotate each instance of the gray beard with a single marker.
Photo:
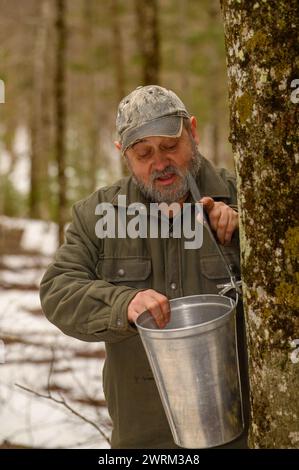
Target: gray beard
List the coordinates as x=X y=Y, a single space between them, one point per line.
x=177 y=190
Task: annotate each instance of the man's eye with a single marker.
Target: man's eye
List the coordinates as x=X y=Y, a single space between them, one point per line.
x=143 y=155
x=171 y=147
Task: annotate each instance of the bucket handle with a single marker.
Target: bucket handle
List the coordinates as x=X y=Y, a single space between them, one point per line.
x=228 y=286
x=233 y=284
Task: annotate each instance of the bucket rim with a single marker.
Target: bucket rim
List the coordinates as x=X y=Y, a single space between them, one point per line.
x=204 y=325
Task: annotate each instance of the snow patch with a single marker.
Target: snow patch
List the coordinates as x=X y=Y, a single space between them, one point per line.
x=37 y=235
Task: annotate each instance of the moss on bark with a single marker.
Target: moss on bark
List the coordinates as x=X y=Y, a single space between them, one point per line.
x=262 y=55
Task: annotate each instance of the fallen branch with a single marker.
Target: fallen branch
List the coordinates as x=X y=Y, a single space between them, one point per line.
x=62 y=402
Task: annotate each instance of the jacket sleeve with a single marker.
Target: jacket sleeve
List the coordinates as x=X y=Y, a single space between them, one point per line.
x=74 y=298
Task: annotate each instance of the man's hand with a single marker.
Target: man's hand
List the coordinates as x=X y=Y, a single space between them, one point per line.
x=157 y=304
x=223 y=219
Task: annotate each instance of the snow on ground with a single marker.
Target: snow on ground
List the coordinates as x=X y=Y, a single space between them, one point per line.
x=37 y=356
x=37 y=235
x=18 y=262
x=21 y=277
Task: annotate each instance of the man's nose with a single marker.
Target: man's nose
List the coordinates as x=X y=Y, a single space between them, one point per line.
x=161 y=161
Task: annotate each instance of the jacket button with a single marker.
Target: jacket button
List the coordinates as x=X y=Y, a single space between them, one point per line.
x=119 y=322
x=173 y=286
x=121 y=272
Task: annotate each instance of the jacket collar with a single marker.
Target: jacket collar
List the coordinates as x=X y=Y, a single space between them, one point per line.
x=208 y=180
x=210 y=183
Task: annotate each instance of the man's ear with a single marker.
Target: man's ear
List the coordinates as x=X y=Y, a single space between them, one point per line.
x=193 y=123
x=117 y=145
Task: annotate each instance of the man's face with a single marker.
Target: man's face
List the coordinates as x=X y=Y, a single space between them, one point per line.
x=160 y=165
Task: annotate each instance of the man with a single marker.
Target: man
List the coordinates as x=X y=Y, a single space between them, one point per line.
x=97 y=287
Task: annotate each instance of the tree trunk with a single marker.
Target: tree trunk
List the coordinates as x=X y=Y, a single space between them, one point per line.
x=39 y=119
x=117 y=48
x=262 y=53
x=148 y=39
x=118 y=56
x=215 y=88
x=91 y=120
x=60 y=117
x=183 y=49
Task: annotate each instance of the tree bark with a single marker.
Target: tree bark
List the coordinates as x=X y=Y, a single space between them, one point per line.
x=148 y=39
x=262 y=54
x=60 y=118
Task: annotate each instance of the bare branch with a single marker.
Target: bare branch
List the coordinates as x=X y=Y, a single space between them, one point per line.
x=66 y=405
x=51 y=370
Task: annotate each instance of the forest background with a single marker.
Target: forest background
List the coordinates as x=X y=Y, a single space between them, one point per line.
x=65 y=67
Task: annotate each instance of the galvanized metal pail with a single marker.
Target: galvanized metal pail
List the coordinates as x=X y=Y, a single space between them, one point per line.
x=195 y=364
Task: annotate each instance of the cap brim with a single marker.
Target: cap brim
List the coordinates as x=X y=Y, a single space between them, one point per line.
x=166 y=126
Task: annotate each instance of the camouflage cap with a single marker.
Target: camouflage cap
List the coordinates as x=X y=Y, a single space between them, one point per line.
x=149 y=111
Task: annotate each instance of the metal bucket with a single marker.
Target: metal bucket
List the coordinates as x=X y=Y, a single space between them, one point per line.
x=195 y=364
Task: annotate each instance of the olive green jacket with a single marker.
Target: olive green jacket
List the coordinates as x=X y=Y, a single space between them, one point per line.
x=86 y=291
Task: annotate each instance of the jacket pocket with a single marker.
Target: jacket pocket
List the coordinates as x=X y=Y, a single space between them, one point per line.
x=127 y=271
x=214 y=272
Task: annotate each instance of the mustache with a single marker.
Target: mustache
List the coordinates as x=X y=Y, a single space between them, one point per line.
x=169 y=169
